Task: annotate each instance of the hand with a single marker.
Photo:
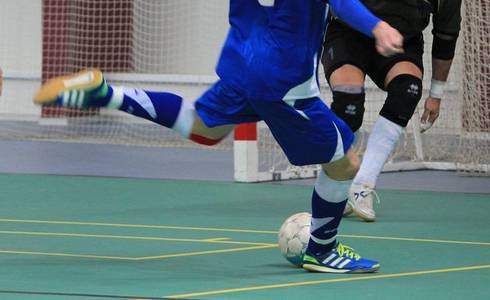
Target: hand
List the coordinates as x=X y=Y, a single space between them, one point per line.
x=388 y=40
x=431 y=113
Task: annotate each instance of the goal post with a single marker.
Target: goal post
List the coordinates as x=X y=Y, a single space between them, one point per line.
x=459 y=140
x=257 y=157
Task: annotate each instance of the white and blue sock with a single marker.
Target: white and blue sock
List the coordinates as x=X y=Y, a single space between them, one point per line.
x=327 y=205
x=163 y=108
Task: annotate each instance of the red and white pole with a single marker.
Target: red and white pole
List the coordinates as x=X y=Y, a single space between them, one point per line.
x=246 y=156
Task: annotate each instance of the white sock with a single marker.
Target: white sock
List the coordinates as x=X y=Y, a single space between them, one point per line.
x=185 y=119
x=382 y=140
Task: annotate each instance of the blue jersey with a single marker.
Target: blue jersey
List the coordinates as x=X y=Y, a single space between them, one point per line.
x=273 y=46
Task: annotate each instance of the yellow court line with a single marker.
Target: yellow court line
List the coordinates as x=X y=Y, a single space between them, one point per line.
x=66 y=255
x=303 y=283
x=236 y=230
x=130 y=237
x=206 y=252
x=164 y=256
x=137 y=226
x=216 y=239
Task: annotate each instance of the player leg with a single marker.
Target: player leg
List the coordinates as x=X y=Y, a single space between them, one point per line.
x=403 y=82
x=88 y=88
x=345 y=64
x=400 y=76
x=310 y=133
x=347 y=85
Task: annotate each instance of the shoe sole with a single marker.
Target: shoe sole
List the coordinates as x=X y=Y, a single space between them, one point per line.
x=87 y=80
x=364 y=216
x=347 y=213
x=323 y=269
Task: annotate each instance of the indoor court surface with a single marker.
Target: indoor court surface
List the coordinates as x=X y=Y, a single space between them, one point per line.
x=93 y=237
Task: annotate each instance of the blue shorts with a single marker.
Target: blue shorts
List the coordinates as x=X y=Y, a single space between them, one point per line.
x=306 y=129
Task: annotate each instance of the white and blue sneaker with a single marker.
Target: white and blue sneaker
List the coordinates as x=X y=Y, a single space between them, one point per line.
x=341 y=259
x=74 y=90
x=361 y=198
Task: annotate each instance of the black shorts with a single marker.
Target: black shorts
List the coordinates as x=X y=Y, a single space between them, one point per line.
x=344 y=45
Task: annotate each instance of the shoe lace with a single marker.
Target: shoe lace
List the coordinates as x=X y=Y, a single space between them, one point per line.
x=344 y=250
x=376 y=196
x=370 y=190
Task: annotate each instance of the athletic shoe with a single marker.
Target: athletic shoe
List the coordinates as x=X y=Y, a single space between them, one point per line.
x=341 y=259
x=347 y=210
x=73 y=91
x=361 y=200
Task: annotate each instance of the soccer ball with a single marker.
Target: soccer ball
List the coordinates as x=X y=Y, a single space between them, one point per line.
x=294 y=236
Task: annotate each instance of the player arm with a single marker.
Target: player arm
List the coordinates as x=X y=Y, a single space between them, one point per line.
x=440 y=72
x=388 y=40
x=355 y=14
x=446 y=24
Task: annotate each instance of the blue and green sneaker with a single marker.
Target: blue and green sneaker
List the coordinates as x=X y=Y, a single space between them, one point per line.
x=73 y=91
x=341 y=259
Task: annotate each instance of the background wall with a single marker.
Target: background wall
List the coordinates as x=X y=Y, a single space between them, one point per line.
x=20 y=55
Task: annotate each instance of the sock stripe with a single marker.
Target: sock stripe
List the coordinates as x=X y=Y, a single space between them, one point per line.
x=323 y=242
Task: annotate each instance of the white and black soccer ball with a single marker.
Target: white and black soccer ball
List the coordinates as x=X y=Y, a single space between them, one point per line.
x=294 y=236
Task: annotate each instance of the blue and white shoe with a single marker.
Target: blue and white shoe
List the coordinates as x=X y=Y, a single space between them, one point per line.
x=341 y=259
x=74 y=90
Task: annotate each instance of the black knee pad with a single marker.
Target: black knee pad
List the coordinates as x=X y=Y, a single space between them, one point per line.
x=404 y=93
x=349 y=107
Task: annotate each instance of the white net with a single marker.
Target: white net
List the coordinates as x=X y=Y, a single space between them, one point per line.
x=173 y=45
x=460 y=139
x=437 y=148
x=168 y=45
x=475 y=139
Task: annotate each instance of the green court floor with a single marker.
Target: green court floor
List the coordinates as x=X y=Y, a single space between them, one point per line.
x=68 y=237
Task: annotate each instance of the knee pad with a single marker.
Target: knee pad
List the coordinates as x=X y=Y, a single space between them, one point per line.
x=404 y=93
x=349 y=107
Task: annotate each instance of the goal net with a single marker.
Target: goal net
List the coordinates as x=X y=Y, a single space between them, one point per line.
x=173 y=45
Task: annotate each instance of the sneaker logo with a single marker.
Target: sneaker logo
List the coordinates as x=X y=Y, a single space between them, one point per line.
x=344 y=263
x=362 y=194
x=329 y=258
x=83 y=79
